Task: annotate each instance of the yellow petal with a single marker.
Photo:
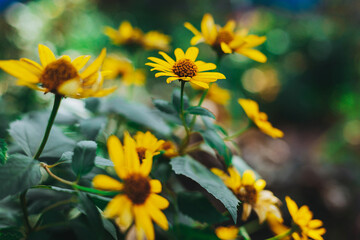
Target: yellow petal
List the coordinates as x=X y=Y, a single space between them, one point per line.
x=192 y=53
x=229 y=26
x=146 y=165
x=125 y=215
x=246 y=211
x=114 y=206
x=21 y=82
x=260 y=185
x=116 y=154
x=252 y=54
x=216 y=75
x=227 y=233
x=292 y=207
x=143 y=221
x=167 y=58
x=196 y=39
x=94 y=66
x=37 y=69
x=107 y=183
x=46 y=55
x=70 y=88
x=250 y=107
x=202 y=66
x=131 y=156
x=80 y=62
x=208 y=28
x=192 y=28
x=157 y=215
x=225 y=48
x=253 y=41
x=248 y=177
x=160 y=62
x=158 y=201
x=315 y=223
x=19 y=70
x=155 y=186
x=201 y=84
x=179 y=54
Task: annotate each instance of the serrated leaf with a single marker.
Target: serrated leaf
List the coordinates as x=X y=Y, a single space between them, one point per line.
x=176 y=100
x=196 y=206
x=84 y=157
x=213 y=139
x=137 y=113
x=28 y=134
x=164 y=106
x=3 y=150
x=18 y=174
x=195 y=110
x=210 y=182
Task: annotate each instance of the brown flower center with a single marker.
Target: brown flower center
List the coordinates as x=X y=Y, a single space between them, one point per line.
x=141 y=153
x=247 y=194
x=185 y=68
x=224 y=36
x=137 y=188
x=56 y=73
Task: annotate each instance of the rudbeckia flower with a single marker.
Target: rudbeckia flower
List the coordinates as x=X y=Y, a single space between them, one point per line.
x=156 y=40
x=60 y=75
x=125 y=34
x=227 y=233
x=251 y=109
x=307 y=227
x=250 y=192
x=185 y=68
x=147 y=142
x=226 y=39
x=137 y=199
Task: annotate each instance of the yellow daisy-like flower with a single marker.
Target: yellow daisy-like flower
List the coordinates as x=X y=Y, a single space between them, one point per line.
x=60 y=76
x=227 y=233
x=303 y=219
x=250 y=192
x=122 y=67
x=138 y=200
x=251 y=109
x=156 y=40
x=147 y=142
x=185 y=68
x=226 y=39
x=125 y=34
x=276 y=225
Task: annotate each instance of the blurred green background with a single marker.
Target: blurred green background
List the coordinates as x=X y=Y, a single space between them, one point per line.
x=309 y=86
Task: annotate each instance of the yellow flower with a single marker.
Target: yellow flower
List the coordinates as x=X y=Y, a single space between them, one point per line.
x=226 y=39
x=185 y=68
x=122 y=67
x=306 y=226
x=170 y=149
x=250 y=192
x=138 y=200
x=227 y=233
x=276 y=225
x=251 y=109
x=147 y=142
x=218 y=95
x=156 y=40
x=125 y=34
x=60 y=76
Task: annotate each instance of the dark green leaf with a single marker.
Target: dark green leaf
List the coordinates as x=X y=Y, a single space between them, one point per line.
x=66 y=157
x=10 y=212
x=137 y=113
x=92 y=214
x=19 y=173
x=11 y=233
x=84 y=157
x=196 y=206
x=209 y=181
x=110 y=228
x=28 y=134
x=164 y=106
x=195 y=110
x=3 y=150
x=176 y=100
x=187 y=233
x=213 y=139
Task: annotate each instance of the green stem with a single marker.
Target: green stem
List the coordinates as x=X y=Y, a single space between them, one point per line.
x=238 y=133
x=282 y=235
x=185 y=142
x=25 y=212
x=49 y=125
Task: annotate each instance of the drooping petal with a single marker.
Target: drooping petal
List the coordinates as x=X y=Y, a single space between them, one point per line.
x=158 y=201
x=157 y=215
x=252 y=54
x=114 y=206
x=107 y=183
x=143 y=221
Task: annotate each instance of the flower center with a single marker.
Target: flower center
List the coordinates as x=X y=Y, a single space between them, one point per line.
x=141 y=153
x=247 y=194
x=137 y=188
x=185 y=68
x=56 y=73
x=224 y=36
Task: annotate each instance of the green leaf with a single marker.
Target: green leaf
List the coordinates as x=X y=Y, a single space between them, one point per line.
x=99 y=161
x=29 y=132
x=137 y=113
x=10 y=212
x=195 y=110
x=196 y=206
x=176 y=100
x=210 y=182
x=92 y=214
x=3 y=150
x=213 y=139
x=244 y=233
x=164 y=106
x=11 y=233
x=19 y=173
x=184 y=232
x=84 y=157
